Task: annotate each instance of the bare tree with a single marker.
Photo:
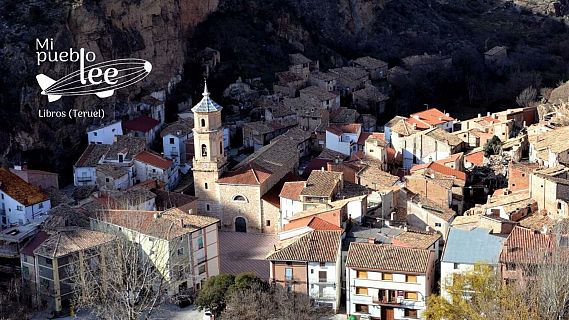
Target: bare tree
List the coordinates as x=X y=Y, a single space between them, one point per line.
x=273 y=303
x=12 y=304
x=527 y=97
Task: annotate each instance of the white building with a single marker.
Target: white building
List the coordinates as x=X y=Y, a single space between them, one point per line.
x=466 y=248
x=20 y=202
x=184 y=248
x=175 y=138
x=104 y=134
x=85 y=169
x=388 y=282
x=343 y=138
x=315 y=272
x=151 y=166
x=290 y=200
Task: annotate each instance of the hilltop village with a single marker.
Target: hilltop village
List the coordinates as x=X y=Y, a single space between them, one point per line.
x=314 y=190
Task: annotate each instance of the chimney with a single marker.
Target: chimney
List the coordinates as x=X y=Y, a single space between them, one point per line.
x=337 y=160
x=405 y=227
x=182 y=223
x=414 y=126
x=191 y=211
x=392 y=216
x=488 y=113
x=479 y=115
x=18 y=167
x=322 y=169
x=371 y=240
x=447 y=114
x=155 y=215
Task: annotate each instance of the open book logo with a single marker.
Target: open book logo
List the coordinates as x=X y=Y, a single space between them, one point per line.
x=101 y=79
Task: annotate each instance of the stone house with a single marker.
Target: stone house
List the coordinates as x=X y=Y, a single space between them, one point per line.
x=491 y=125
x=377 y=69
x=142 y=127
x=343 y=138
x=301 y=65
x=39 y=178
x=321 y=187
x=260 y=133
x=426 y=214
x=104 y=134
x=428 y=145
x=310 y=117
x=324 y=80
x=350 y=79
x=439 y=183
x=550 y=148
x=369 y=100
x=152 y=166
x=319 y=97
x=550 y=188
x=175 y=137
x=288 y=83
x=315 y=272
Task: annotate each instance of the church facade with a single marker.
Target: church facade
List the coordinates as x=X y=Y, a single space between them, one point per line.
x=236 y=196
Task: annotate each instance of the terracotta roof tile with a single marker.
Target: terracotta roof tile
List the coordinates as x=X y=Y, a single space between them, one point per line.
x=153 y=159
x=432 y=116
x=476 y=158
x=66 y=242
x=315 y=223
x=387 y=257
x=415 y=239
x=526 y=246
x=92 y=155
x=141 y=124
x=317 y=246
x=250 y=174
x=437 y=167
x=321 y=183
x=20 y=190
x=292 y=190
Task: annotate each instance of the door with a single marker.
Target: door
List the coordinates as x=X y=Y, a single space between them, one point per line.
x=240 y=225
x=387 y=313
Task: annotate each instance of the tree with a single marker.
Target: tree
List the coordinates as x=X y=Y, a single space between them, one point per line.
x=493 y=146
x=479 y=294
x=12 y=302
x=526 y=97
x=271 y=303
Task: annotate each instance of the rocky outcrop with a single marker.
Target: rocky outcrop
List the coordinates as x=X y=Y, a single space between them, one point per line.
x=556 y=8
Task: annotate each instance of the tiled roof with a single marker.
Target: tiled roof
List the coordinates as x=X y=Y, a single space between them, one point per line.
x=292 y=190
x=316 y=164
x=526 y=246
x=272 y=196
x=344 y=116
x=69 y=241
x=378 y=178
x=250 y=174
x=418 y=123
x=313 y=222
x=476 y=158
x=154 y=160
x=437 y=167
x=451 y=158
x=20 y=190
x=321 y=183
x=180 y=128
x=387 y=258
x=36 y=241
x=370 y=63
x=345 y=128
x=555 y=140
x=446 y=214
x=141 y=124
x=329 y=154
x=318 y=93
x=112 y=171
x=127 y=145
x=432 y=116
x=472 y=246
x=298 y=58
x=372 y=136
x=286 y=77
x=167 y=199
x=415 y=239
x=370 y=93
x=444 y=136
x=399 y=125
x=316 y=246
x=92 y=155
x=351 y=73
x=166 y=225
x=206 y=104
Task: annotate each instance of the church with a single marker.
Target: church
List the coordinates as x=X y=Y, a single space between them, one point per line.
x=240 y=197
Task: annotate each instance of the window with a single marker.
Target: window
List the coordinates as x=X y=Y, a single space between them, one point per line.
x=207 y=207
x=558 y=205
x=411 y=313
x=95 y=133
x=171 y=140
x=201 y=269
x=153 y=170
x=361 y=274
x=322 y=276
x=361 y=290
x=411 y=278
x=221 y=147
x=204 y=150
x=362 y=308
x=411 y=295
x=455 y=266
x=19 y=208
x=438 y=224
x=523 y=174
x=288 y=274
x=203 y=122
x=205 y=185
x=200 y=242
x=107 y=180
x=387 y=276
x=268 y=223
x=322 y=264
x=181 y=251
x=40 y=206
x=239 y=198
x=121 y=157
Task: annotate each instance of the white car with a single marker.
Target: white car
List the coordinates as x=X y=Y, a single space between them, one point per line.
x=207 y=315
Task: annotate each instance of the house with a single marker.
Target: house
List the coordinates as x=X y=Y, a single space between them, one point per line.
x=304 y=225
x=142 y=127
x=475 y=158
x=12 y=242
x=110 y=177
x=319 y=97
x=310 y=265
x=428 y=145
x=290 y=200
x=39 y=178
x=183 y=247
x=498 y=55
x=388 y=282
x=175 y=139
x=396 y=129
x=490 y=124
x=324 y=80
x=550 y=189
x=550 y=148
x=350 y=79
x=507 y=206
x=45 y=263
x=522 y=251
x=464 y=249
x=85 y=169
x=166 y=200
x=426 y=214
x=369 y=100
x=20 y=202
x=310 y=117
x=519 y=174
x=131 y=199
x=304 y=140
x=372 y=176
x=288 y=83
x=433 y=117
x=260 y=133
x=375 y=147
x=377 y=69
x=104 y=134
x=301 y=65
x=152 y=166
x=321 y=187
x=343 y=138
x=344 y=116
